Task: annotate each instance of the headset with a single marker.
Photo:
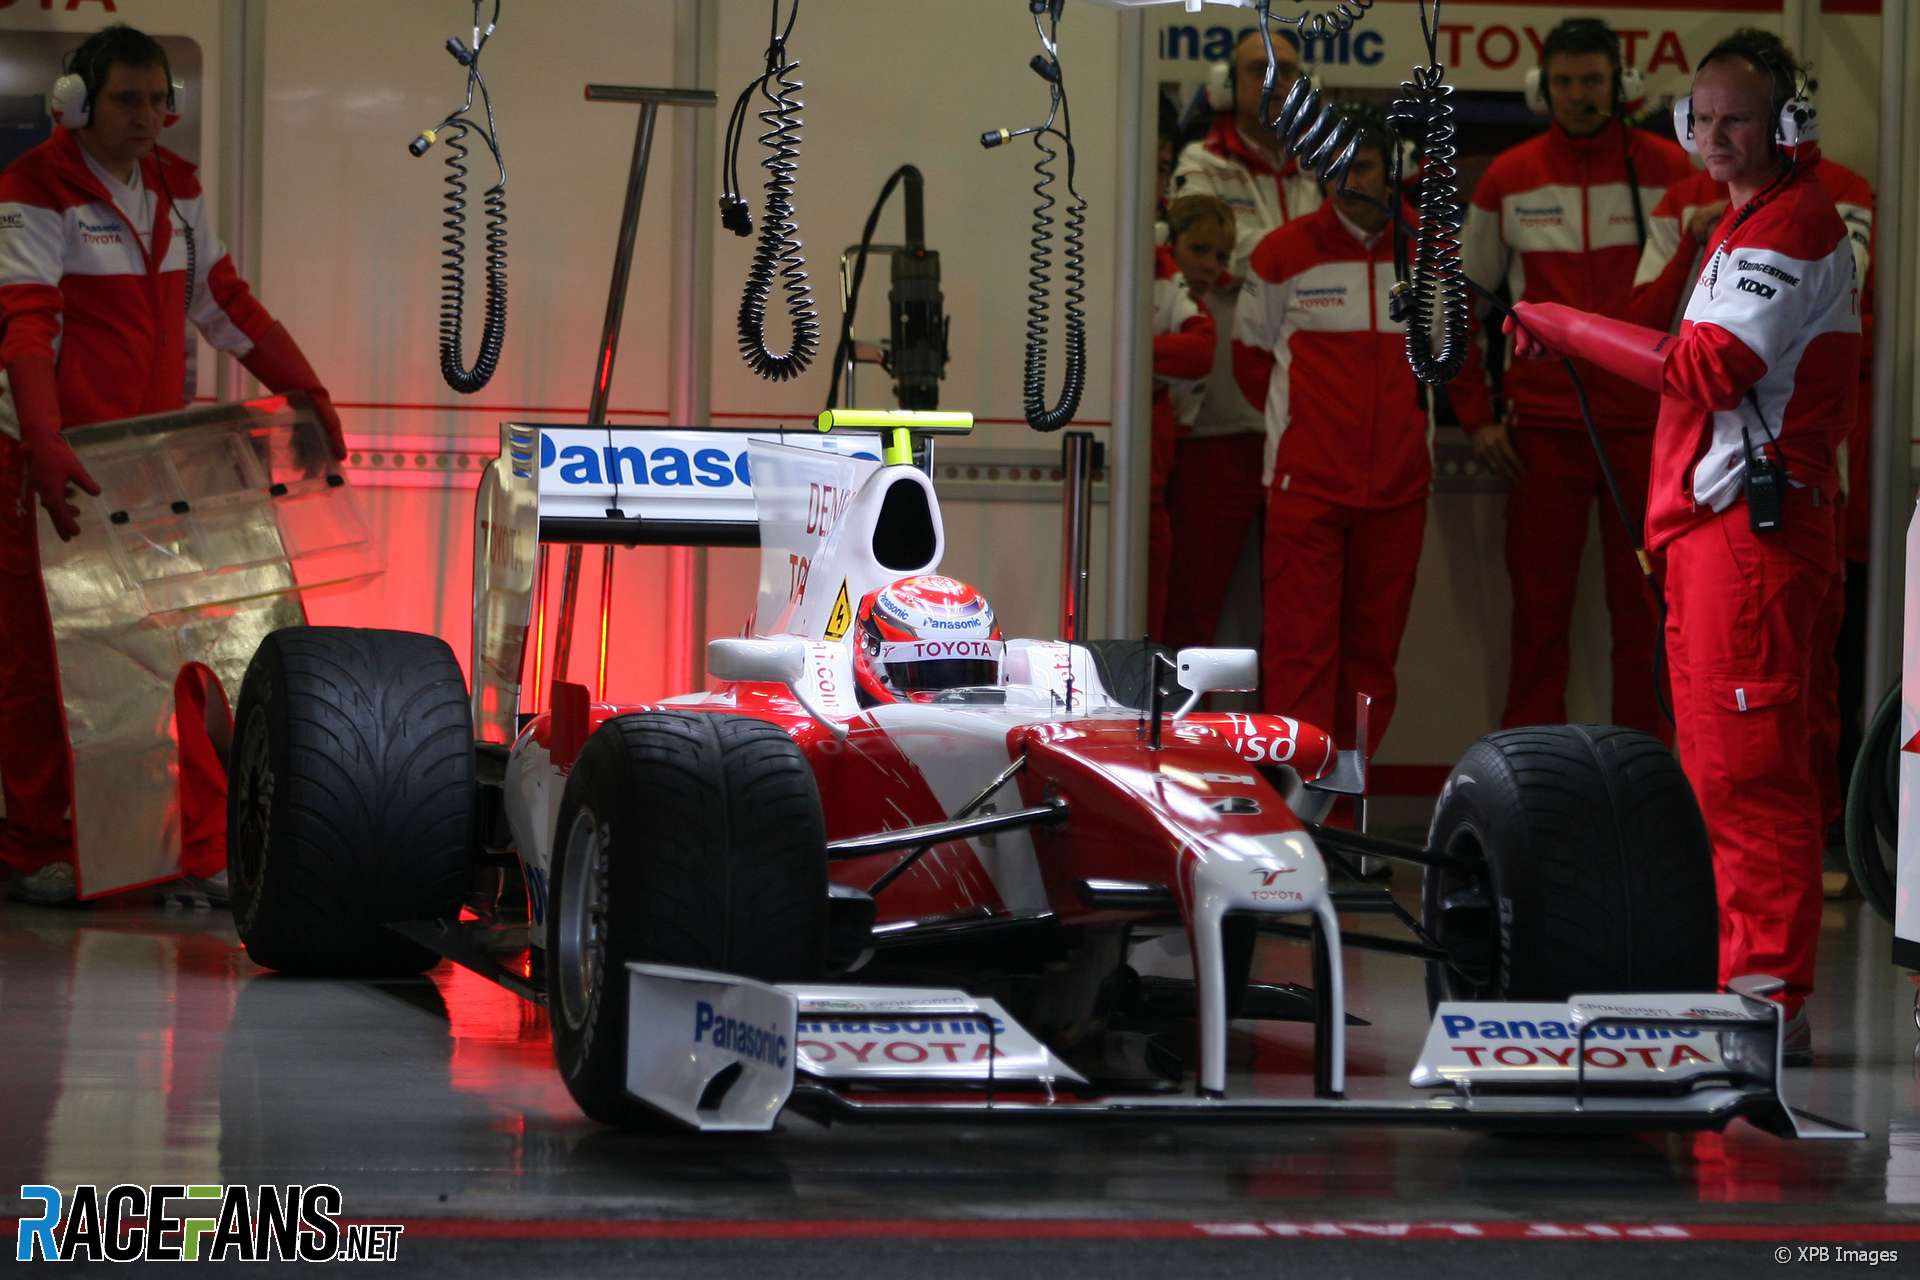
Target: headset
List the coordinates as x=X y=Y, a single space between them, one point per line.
x=1221 y=87
x=1629 y=85
x=1796 y=122
x=71 y=101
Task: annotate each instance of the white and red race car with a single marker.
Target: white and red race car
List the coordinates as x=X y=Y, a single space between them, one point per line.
x=1039 y=896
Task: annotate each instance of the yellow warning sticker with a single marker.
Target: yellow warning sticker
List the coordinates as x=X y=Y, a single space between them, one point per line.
x=842 y=616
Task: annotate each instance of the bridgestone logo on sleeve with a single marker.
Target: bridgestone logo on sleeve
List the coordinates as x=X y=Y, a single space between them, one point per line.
x=1767 y=269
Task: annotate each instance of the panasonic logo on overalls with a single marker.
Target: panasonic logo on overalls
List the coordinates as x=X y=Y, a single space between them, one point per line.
x=584 y=465
x=743 y=1039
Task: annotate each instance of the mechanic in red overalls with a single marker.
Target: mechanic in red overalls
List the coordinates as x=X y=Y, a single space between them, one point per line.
x=95 y=225
x=1558 y=219
x=1756 y=395
x=1199 y=246
x=1215 y=499
x=1676 y=236
x=1348 y=465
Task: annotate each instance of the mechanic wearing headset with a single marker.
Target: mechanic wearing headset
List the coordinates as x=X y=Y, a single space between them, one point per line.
x=1215 y=495
x=1558 y=219
x=1676 y=237
x=95 y=229
x=1756 y=394
x=1347 y=461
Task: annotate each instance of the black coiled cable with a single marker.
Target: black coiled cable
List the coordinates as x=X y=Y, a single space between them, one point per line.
x=453 y=274
x=1307 y=126
x=1040 y=253
x=1334 y=21
x=1039 y=289
x=453 y=269
x=778 y=251
x=1436 y=282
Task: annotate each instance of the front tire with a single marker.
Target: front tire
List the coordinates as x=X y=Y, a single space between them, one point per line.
x=350 y=799
x=684 y=838
x=1584 y=867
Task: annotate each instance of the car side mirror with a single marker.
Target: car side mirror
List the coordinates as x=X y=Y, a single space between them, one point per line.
x=781 y=662
x=772 y=661
x=1204 y=671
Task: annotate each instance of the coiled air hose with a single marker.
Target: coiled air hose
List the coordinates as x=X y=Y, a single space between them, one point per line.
x=453 y=271
x=1435 y=283
x=778 y=251
x=1040 y=252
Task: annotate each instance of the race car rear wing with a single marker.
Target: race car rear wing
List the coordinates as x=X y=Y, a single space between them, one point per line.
x=656 y=486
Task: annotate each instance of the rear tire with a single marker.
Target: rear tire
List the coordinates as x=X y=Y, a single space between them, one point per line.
x=350 y=799
x=1586 y=869
x=1873 y=807
x=684 y=838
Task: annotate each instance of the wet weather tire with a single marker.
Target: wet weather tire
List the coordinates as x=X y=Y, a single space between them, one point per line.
x=684 y=838
x=1586 y=868
x=1126 y=667
x=350 y=799
x=1873 y=807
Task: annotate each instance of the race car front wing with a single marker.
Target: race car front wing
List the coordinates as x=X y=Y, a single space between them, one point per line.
x=719 y=1052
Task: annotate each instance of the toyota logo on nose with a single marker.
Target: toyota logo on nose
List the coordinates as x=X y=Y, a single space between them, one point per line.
x=1269 y=874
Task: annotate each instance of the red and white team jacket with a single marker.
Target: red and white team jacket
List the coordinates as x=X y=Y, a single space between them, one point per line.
x=1262 y=199
x=78 y=284
x=1183 y=343
x=1775 y=312
x=1315 y=345
x=1667 y=264
x=1553 y=218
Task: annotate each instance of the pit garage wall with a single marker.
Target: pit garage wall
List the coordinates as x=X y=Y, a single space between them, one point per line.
x=350 y=227
x=344 y=247
x=1453 y=664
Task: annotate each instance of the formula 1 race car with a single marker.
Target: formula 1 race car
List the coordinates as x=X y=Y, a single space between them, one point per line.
x=836 y=883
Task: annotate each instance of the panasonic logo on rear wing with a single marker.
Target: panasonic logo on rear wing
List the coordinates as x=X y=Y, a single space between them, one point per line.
x=663 y=486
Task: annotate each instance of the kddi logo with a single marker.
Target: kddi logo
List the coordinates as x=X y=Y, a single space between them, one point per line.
x=1746 y=284
x=176 y=1223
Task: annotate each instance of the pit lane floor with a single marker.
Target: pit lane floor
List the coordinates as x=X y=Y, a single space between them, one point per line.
x=141 y=1046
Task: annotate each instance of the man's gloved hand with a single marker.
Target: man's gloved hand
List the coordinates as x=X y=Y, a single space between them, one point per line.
x=50 y=463
x=278 y=362
x=1528 y=344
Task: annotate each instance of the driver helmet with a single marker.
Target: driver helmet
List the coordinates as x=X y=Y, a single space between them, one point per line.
x=922 y=634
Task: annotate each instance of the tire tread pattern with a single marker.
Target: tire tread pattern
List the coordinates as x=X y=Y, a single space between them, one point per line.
x=372 y=752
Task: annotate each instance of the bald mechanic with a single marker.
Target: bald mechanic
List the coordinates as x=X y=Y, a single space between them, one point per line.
x=1215 y=497
x=96 y=227
x=1756 y=394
